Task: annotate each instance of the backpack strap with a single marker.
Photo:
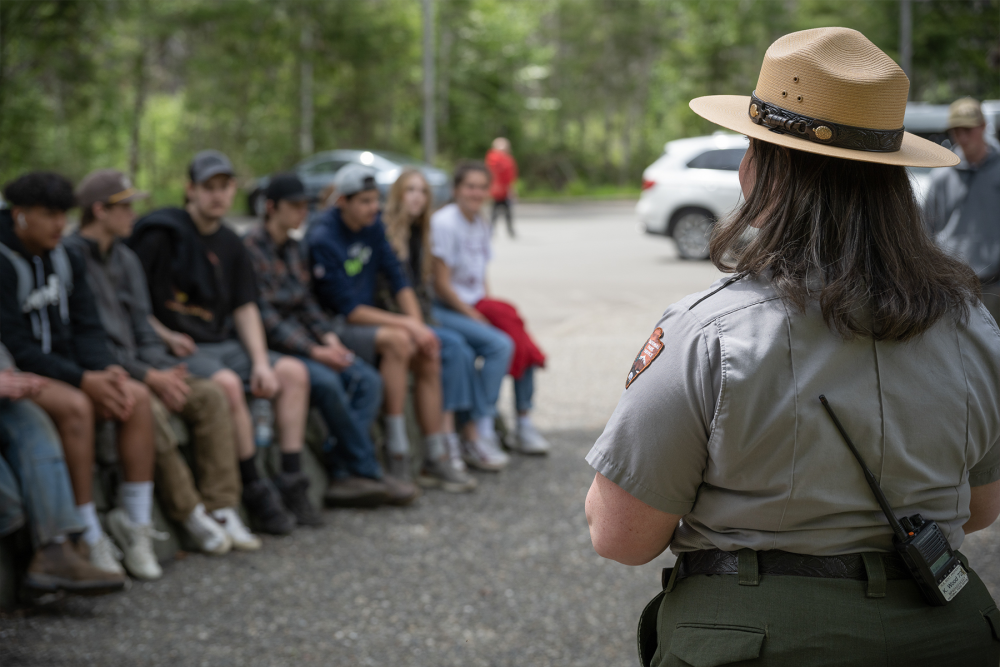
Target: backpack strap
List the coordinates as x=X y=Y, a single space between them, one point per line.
x=25 y=281
x=63 y=269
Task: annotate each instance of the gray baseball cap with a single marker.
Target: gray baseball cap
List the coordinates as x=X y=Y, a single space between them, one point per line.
x=354 y=178
x=207 y=164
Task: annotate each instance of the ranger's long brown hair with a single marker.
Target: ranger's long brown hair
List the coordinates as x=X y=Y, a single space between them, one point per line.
x=846 y=233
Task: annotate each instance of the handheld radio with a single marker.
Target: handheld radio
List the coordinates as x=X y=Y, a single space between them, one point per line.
x=921 y=544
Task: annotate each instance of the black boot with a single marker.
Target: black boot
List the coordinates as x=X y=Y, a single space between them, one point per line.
x=265 y=509
x=294 y=487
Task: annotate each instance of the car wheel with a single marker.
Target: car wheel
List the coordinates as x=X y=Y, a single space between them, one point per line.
x=691 y=231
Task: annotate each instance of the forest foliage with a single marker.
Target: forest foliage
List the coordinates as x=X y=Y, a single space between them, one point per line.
x=587 y=90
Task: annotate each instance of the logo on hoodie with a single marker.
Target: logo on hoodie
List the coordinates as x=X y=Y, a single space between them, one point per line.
x=40 y=297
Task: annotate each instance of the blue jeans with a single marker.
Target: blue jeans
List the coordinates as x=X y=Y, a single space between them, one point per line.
x=488 y=342
x=458 y=366
x=524 y=390
x=34 y=482
x=349 y=401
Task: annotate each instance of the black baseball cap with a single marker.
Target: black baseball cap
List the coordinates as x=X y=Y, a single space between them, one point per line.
x=286 y=186
x=207 y=164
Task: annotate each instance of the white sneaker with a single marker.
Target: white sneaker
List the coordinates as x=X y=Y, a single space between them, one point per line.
x=210 y=537
x=485 y=454
x=530 y=441
x=230 y=521
x=137 y=544
x=105 y=556
x=454 y=446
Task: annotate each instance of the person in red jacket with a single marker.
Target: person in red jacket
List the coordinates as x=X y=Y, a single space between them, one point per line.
x=503 y=169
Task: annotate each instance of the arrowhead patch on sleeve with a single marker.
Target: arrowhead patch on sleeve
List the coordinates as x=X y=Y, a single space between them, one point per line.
x=651 y=350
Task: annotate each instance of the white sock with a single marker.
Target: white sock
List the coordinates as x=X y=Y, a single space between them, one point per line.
x=395 y=434
x=137 y=501
x=92 y=532
x=434 y=446
x=485 y=428
x=523 y=421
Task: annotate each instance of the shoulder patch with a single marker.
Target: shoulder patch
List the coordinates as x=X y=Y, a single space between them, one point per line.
x=650 y=351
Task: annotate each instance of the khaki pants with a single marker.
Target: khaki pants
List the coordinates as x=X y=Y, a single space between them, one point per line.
x=207 y=415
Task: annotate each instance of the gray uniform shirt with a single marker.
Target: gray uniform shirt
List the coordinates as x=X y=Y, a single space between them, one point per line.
x=962 y=213
x=119 y=286
x=724 y=425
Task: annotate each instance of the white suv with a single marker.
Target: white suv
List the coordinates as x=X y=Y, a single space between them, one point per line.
x=694 y=183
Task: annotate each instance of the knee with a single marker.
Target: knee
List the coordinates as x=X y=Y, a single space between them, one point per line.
x=139 y=392
x=231 y=386
x=210 y=396
x=292 y=373
x=77 y=408
x=396 y=342
x=503 y=345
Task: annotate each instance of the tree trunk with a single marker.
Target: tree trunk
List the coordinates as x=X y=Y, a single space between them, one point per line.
x=306 y=146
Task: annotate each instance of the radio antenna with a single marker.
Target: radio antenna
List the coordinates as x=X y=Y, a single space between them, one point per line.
x=897 y=529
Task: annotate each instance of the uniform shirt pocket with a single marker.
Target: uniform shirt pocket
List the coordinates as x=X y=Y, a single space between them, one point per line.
x=710 y=644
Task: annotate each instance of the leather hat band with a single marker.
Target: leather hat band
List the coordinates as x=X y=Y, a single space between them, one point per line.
x=783 y=121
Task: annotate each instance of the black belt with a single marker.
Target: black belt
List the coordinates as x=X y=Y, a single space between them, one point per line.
x=774 y=562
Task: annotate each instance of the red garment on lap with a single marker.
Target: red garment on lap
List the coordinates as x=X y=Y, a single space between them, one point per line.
x=504 y=317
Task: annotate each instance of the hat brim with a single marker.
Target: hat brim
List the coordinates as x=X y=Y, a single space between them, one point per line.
x=214 y=171
x=135 y=196
x=731 y=112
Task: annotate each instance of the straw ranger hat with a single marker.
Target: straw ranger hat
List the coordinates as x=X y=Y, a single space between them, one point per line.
x=828 y=91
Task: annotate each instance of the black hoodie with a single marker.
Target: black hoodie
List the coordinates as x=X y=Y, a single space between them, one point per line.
x=77 y=346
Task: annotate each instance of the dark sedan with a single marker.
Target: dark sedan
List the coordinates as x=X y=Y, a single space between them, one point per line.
x=317 y=173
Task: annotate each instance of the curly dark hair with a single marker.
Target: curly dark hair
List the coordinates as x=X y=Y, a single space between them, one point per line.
x=848 y=234
x=40 y=188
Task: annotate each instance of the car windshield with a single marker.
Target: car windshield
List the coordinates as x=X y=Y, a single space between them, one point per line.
x=727 y=159
x=399 y=158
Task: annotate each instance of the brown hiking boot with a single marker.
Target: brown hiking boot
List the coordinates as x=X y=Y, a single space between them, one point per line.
x=401 y=491
x=355 y=492
x=60 y=567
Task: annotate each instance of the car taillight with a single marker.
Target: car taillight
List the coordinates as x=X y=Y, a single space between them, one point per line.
x=647 y=184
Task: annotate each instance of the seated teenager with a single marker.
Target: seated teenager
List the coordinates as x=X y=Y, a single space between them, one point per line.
x=460 y=241
x=348 y=250
x=116 y=278
x=35 y=489
x=51 y=328
x=347 y=390
x=408 y=227
x=204 y=299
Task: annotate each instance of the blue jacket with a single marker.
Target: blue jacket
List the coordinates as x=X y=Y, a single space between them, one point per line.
x=346 y=264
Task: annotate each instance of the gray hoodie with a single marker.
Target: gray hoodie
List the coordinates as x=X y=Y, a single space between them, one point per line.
x=119 y=286
x=962 y=213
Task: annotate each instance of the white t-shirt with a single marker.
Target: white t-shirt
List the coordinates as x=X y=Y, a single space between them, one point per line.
x=464 y=247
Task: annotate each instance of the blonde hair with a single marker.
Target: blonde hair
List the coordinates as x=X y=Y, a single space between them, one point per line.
x=398 y=225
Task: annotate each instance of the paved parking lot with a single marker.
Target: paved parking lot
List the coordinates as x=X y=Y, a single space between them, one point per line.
x=506 y=576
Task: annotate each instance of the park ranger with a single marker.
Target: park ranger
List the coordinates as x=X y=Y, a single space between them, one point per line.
x=720 y=447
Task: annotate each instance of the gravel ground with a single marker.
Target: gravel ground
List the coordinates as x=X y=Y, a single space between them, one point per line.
x=504 y=576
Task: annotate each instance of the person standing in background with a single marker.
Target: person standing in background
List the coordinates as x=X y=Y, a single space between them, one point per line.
x=961 y=209
x=503 y=169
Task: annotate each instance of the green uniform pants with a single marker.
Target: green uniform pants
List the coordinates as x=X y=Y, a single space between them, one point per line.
x=709 y=620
